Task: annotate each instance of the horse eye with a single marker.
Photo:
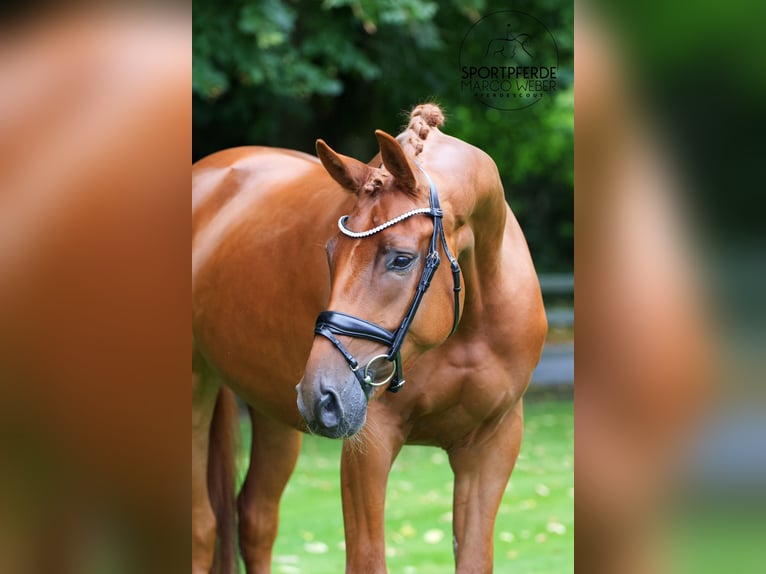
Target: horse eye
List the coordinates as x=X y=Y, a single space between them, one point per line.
x=401 y=262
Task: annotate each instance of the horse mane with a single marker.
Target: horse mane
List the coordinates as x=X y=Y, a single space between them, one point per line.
x=423 y=119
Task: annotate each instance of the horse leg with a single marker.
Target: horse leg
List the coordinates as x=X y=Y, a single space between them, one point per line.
x=273 y=454
x=365 y=465
x=482 y=469
x=204 y=394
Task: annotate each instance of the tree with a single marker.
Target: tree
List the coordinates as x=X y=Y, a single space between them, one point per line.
x=279 y=72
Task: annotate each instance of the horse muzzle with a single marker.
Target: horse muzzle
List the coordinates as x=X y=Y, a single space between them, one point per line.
x=332 y=408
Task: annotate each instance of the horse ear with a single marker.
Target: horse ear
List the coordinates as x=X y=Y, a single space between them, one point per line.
x=396 y=162
x=350 y=173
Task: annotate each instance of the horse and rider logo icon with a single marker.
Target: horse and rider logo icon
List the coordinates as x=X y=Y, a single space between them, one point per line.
x=508 y=61
x=508 y=47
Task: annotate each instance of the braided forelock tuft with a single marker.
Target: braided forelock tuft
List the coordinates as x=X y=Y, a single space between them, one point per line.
x=423 y=118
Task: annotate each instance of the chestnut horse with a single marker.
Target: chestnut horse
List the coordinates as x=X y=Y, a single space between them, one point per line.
x=278 y=238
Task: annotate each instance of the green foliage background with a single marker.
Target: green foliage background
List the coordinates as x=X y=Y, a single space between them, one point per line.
x=285 y=72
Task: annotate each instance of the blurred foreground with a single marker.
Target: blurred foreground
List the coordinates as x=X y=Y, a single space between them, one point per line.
x=669 y=413
x=95 y=130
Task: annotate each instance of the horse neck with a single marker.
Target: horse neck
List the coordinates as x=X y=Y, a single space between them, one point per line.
x=481 y=251
x=473 y=194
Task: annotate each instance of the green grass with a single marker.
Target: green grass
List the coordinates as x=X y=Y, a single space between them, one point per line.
x=534 y=529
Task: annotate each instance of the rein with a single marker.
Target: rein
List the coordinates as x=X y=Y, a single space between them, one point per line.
x=332 y=323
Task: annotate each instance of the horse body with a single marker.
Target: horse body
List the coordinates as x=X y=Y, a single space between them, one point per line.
x=259 y=270
x=261 y=223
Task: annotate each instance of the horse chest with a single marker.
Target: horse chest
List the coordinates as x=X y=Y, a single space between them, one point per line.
x=452 y=401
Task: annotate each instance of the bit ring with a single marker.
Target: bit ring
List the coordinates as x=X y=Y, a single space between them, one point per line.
x=368 y=378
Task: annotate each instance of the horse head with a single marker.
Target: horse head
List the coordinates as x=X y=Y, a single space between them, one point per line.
x=383 y=314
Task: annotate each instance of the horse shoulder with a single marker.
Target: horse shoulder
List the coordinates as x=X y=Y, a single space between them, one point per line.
x=502 y=342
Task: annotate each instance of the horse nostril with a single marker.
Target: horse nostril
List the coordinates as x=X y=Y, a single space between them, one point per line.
x=329 y=410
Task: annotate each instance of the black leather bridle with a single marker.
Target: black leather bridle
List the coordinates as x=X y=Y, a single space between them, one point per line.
x=332 y=323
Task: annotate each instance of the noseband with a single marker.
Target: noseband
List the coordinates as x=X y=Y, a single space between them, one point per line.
x=332 y=323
